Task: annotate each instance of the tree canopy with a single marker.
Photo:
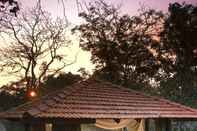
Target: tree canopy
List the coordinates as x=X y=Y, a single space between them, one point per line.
x=9 y=7
x=58 y=82
x=121 y=45
x=179 y=48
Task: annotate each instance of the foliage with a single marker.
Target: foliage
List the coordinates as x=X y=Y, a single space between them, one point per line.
x=9 y=7
x=35 y=49
x=121 y=45
x=61 y=81
x=179 y=53
x=84 y=73
x=12 y=99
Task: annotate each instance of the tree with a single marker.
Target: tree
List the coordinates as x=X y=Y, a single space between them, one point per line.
x=35 y=47
x=84 y=73
x=8 y=7
x=179 y=51
x=58 y=82
x=121 y=45
x=12 y=100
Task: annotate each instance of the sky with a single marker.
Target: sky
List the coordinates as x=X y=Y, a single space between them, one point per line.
x=55 y=8
x=128 y=6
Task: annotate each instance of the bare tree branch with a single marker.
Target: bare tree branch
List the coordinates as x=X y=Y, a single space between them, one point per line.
x=36 y=49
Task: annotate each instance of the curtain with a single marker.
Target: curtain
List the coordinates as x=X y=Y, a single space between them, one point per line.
x=112 y=124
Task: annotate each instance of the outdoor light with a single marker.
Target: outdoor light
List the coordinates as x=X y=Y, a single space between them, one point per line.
x=32 y=94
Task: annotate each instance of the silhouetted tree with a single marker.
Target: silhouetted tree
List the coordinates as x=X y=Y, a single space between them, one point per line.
x=84 y=73
x=58 y=82
x=35 y=47
x=8 y=7
x=179 y=52
x=121 y=45
x=8 y=100
x=12 y=95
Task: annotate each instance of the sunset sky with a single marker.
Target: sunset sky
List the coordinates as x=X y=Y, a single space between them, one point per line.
x=128 y=6
x=55 y=8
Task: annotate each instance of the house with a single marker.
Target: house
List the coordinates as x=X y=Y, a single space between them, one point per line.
x=97 y=105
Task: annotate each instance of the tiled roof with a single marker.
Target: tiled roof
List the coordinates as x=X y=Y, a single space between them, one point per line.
x=98 y=99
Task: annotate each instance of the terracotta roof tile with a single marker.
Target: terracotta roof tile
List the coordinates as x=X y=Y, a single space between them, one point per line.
x=98 y=99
